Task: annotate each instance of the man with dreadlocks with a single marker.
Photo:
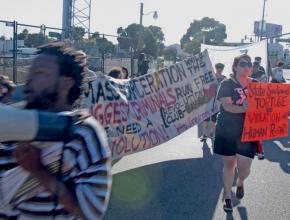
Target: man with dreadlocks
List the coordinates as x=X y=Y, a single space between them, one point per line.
x=75 y=185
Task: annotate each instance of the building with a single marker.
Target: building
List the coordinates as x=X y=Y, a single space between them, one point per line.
x=6 y=46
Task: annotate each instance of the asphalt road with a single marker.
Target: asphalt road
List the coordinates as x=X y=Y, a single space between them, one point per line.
x=181 y=179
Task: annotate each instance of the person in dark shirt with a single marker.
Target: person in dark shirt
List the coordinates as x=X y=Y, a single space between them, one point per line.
x=143 y=65
x=235 y=154
x=259 y=60
x=209 y=123
x=258 y=72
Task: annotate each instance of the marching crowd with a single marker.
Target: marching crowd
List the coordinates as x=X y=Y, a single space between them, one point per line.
x=78 y=186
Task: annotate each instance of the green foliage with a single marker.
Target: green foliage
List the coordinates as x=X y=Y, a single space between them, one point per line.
x=142 y=39
x=157 y=31
x=23 y=35
x=31 y=40
x=35 y=40
x=123 y=40
x=170 y=54
x=206 y=30
x=96 y=44
x=150 y=42
x=105 y=46
x=78 y=33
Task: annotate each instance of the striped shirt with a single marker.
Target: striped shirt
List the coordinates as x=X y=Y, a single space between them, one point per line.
x=87 y=165
x=7 y=162
x=6 y=158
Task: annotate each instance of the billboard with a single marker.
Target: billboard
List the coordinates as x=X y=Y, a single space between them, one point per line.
x=269 y=30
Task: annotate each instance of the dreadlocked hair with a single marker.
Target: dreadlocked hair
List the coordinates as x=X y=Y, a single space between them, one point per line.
x=71 y=64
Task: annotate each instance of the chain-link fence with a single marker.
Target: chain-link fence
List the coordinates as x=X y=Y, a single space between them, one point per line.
x=19 y=42
x=103 y=53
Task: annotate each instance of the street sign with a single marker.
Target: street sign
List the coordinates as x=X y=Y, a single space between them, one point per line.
x=269 y=30
x=283 y=40
x=54 y=34
x=9 y=24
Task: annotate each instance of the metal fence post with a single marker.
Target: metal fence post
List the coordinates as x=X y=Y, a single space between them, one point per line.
x=15 y=24
x=132 y=61
x=103 y=56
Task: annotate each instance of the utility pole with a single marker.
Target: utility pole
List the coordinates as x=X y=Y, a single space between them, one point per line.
x=155 y=15
x=141 y=13
x=76 y=13
x=263 y=16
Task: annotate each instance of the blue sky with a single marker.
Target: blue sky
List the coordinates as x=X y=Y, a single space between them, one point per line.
x=174 y=16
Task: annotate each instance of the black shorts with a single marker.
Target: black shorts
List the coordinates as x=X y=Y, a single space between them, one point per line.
x=228 y=138
x=228 y=147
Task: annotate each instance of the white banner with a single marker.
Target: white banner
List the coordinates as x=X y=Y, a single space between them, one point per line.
x=226 y=55
x=149 y=110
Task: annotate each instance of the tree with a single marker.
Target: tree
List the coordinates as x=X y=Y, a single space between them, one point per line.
x=206 y=30
x=170 y=54
x=95 y=35
x=158 y=33
x=23 y=35
x=149 y=43
x=95 y=45
x=31 y=40
x=105 y=46
x=131 y=37
x=34 y=40
x=78 y=33
x=123 y=39
x=141 y=39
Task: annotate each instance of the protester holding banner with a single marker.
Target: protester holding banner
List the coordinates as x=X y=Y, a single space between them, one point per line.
x=261 y=68
x=230 y=121
x=258 y=72
x=116 y=72
x=77 y=182
x=209 y=124
x=125 y=73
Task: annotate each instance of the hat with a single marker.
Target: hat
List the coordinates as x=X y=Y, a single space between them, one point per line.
x=219 y=66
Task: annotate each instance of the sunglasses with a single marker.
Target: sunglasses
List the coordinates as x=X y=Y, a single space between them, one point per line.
x=245 y=64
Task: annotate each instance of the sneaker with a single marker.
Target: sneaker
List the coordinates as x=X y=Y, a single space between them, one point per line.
x=240 y=192
x=260 y=156
x=228 y=207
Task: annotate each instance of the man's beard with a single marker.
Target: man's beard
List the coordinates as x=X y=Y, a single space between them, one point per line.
x=43 y=101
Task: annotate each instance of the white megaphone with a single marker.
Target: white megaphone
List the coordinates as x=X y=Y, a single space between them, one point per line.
x=32 y=125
